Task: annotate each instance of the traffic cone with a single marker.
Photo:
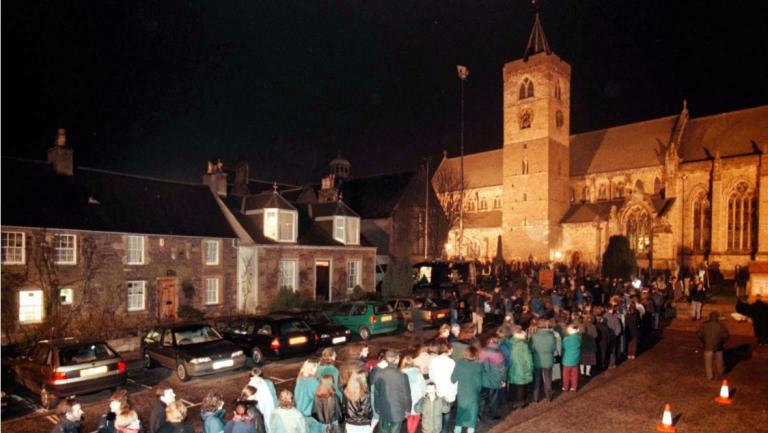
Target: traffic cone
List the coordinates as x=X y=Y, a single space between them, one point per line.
x=725 y=394
x=666 y=421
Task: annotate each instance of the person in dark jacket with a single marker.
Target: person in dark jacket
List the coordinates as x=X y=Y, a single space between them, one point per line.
x=118 y=402
x=392 y=397
x=326 y=408
x=417 y=318
x=468 y=374
x=632 y=324
x=70 y=417
x=175 y=419
x=165 y=396
x=604 y=334
x=357 y=405
x=713 y=335
x=698 y=294
x=494 y=377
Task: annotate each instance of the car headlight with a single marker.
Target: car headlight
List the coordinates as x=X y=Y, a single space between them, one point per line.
x=348 y=332
x=236 y=354
x=200 y=360
x=325 y=336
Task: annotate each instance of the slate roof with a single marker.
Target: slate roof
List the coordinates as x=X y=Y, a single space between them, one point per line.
x=601 y=210
x=34 y=196
x=731 y=133
x=338 y=208
x=266 y=199
x=481 y=169
x=376 y=196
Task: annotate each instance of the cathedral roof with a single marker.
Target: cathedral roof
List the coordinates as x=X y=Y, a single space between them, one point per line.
x=600 y=211
x=729 y=133
x=481 y=169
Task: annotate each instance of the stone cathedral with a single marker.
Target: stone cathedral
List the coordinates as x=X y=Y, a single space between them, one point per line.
x=682 y=189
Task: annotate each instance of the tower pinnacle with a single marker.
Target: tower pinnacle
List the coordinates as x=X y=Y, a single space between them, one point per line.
x=537 y=42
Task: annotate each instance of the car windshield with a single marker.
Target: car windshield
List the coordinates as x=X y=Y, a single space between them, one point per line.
x=294 y=326
x=426 y=302
x=242 y=327
x=317 y=317
x=199 y=334
x=72 y=355
x=382 y=309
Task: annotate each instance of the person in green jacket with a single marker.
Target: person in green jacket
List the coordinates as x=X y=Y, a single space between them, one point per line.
x=327 y=366
x=520 y=372
x=469 y=375
x=543 y=345
x=571 y=357
x=431 y=408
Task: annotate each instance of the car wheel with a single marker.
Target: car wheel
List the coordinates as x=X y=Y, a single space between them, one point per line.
x=47 y=400
x=365 y=333
x=256 y=356
x=409 y=326
x=148 y=363
x=181 y=371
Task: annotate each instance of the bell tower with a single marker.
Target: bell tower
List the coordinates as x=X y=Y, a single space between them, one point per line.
x=536 y=150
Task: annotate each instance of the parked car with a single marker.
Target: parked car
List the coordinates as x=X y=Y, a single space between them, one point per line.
x=272 y=336
x=432 y=313
x=330 y=333
x=464 y=313
x=62 y=367
x=193 y=349
x=366 y=318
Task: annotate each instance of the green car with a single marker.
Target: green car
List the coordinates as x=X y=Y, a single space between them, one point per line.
x=366 y=318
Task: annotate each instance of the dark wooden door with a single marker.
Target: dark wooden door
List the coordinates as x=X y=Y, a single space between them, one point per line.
x=322 y=280
x=167 y=294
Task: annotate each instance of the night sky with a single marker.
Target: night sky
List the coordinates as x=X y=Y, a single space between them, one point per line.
x=160 y=87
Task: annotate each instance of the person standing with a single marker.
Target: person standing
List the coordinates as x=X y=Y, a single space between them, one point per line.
x=118 y=403
x=70 y=416
x=603 y=339
x=520 y=371
x=392 y=395
x=326 y=408
x=306 y=385
x=614 y=324
x=417 y=385
x=698 y=293
x=632 y=324
x=571 y=357
x=175 y=417
x=588 y=333
x=544 y=345
x=417 y=318
x=327 y=366
x=357 y=405
x=244 y=419
x=286 y=419
x=212 y=413
x=165 y=396
x=357 y=356
x=494 y=377
x=469 y=376
x=432 y=408
x=713 y=335
x=758 y=312
x=265 y=396
x=440 y=372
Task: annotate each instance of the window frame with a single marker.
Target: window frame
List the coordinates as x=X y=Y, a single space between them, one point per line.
x=56 y=248
x=355 y=238
x=272 y=230
x=128 y=250
x=7 y=246
x=281 y=271
x=206 y=243
x=71 y=295
x=352 y=263
x=206 y=288
x=39 y=293
x=340 y=225
x=131 y=284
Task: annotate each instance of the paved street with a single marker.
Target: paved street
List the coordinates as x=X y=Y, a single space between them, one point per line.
x=627 y=399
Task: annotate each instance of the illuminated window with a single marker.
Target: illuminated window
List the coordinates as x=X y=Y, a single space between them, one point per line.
x=497 y=202
x=211 y=291
x=13 y=248
x=136 y=295
x=287 y=274
x=701 y=222
x=526 y=89
x=346 y=230
x=620 y=190
x=639 y=230
x=280 y=225
x=135 y=250
x=602 y=193
x=353 y=274
x=742 y=219
x=211 y=252
x=64 y=249
x=483 y=204
x=67 y=296
x=30 y=306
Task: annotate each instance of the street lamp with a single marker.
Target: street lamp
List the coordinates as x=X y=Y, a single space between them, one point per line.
x=463 y=73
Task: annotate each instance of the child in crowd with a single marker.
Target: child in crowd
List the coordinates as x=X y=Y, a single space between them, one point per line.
x=431 y=408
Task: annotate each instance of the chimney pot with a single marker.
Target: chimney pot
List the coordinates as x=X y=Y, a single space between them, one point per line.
x=60 y=156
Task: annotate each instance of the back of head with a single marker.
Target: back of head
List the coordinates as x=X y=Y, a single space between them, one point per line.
x=127 y=419
x=470 y=353
x=175 y=412
x=286 y=399
x=392 y=357
x=65 y=406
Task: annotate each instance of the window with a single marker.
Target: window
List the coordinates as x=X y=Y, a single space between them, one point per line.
x=471 y=205
x=287 y=274
x=657 y=186
x=64 y=249
x=353 y=231
x=742 y=219
x=211 y=252
x=30 y=306
x=639 y=230
x=620 y=190
x=339 y=229
x=526 y=89
x=701 y=222
x=573 y=195
x=483 y=204
x=585 y=193
x=136 y=295
x=497 y=202
x=211 y=291
x=135 y=250
x=639 y=186
x=602 y=193
x=67 y=296
x=525 y=166
x=280 y=225
x=346 y=230
x=353 y=274
x=13 y=248
x=559 y=120
x=558 y=92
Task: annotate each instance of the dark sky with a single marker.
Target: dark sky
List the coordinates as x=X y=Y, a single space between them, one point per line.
x=159 y=87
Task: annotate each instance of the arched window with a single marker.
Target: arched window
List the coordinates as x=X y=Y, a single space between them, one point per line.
x=585 y=193
x=526 y=88
x=620 y=190
x=742 y=219
x=639 y=186
x=497 y=202
x=573 y=195
x=471 y=205
x=558 y=93
x=525 y=197
x=483 y=204
x=639 y=230
x=657 y=186
x=525 y=166
x=701 y=222
x=602 y=193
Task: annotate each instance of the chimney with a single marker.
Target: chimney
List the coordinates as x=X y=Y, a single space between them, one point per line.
x=60 y=156
x=241 y=178
x=328 y=191
x=215 y=178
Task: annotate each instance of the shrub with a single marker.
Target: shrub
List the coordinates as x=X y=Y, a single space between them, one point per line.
x=188 y=313
x=287 y=298
x=619 y=260
x=398 y=281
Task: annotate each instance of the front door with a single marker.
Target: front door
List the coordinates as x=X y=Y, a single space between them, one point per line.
x=322 y=280
x=166 y=288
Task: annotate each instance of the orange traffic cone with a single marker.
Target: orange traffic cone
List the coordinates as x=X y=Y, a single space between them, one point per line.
x=725 y=394
x=666 y=421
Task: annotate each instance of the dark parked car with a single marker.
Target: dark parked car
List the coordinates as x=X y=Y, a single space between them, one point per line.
x=191 y=349
x=272 y=336
x=330 y=333
x=432 y=313
x=62 y=367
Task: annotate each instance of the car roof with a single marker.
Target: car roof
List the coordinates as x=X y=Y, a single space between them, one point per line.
x=183 y=325
x=69 y=342
x=271 y=317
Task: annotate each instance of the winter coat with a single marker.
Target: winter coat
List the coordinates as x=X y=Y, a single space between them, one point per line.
x=392 y=397
x=107 y=423
x=758 y=312
x=604 y=334
x=347 y=368
x=494 y=371
x=506 y=350
x=520 y=371
x=358 y=412
x=213 y=421
x=417 y=384
x=304 y=394
x=157 y=417
x=244 y=425
x=431 y=412
x=327 y=410
x=458 y=349
x=571 y=350
x=632 y=321
x=588 y=338
x=469 y=376
x=287 y=421
x=440 y=372
x=614 y=324
x=713 y=334
x=67 y=426
x=543 y=344
x=178 y=427
x=330 y=370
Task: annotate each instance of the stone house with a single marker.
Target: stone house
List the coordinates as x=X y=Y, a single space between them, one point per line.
x=105 y=252
x=683 y=190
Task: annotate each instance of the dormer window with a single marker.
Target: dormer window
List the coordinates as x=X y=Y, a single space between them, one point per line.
x=346 y=230
x=280 y=225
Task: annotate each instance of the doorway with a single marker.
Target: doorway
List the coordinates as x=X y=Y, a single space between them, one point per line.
x=166 y=288
x=323 y=280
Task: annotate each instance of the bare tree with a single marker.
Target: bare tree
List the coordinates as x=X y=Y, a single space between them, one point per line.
x=447 y=184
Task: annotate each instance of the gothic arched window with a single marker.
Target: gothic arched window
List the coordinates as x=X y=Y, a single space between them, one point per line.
x=526 y=89
x=585 y=193
x=657 y=186
x=742 y=221
x=483 y=204
x=558 y=93
x=639 y=230
x=573 y=195
x=602 y=193
x=525 y=166
x=620 y=190
x=701 y=222
x=639 y=186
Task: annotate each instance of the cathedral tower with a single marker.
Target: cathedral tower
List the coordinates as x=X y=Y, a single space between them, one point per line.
x=536 y=150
